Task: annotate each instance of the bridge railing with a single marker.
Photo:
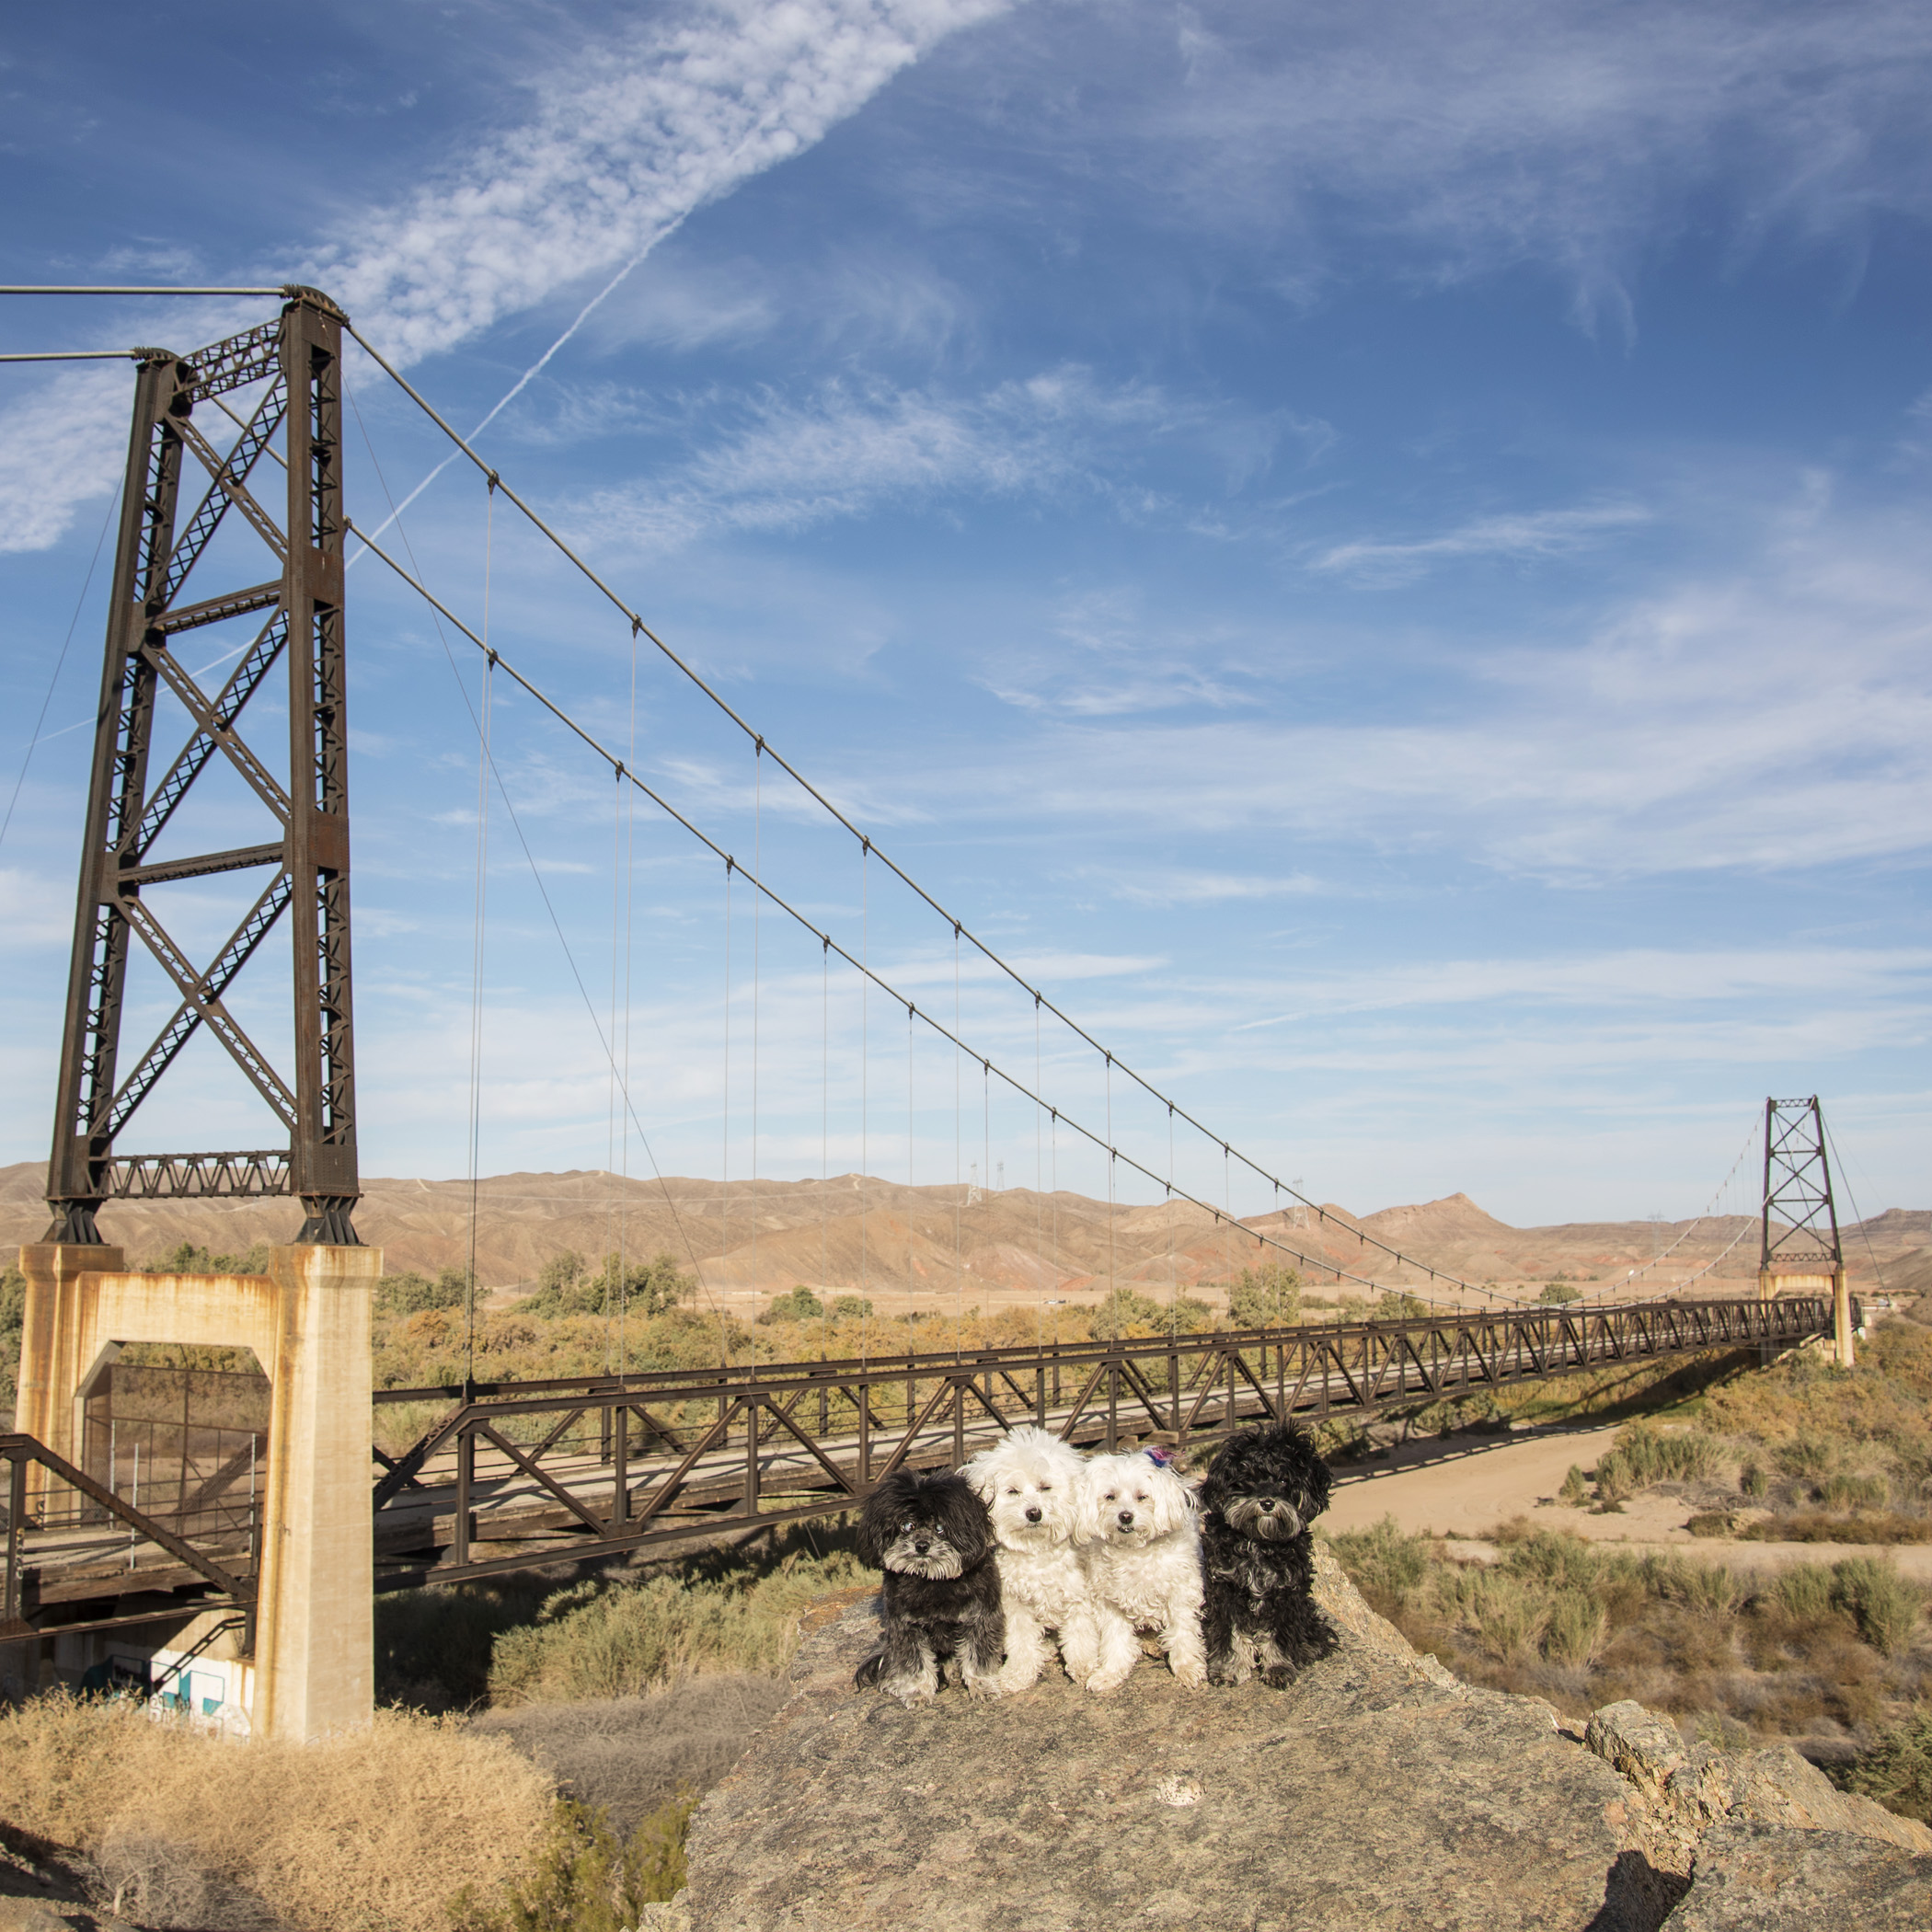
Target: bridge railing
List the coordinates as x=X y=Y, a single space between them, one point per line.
x=73 y=1542
x=521 y=1473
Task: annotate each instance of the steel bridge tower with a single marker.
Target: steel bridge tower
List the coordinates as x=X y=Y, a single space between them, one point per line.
x=1800 y=1247
x=303 y=1582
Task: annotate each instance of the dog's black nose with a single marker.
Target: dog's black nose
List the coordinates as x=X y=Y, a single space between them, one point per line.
x=1033 y=1515
x=1268 y=1505
x=922 y=1548
x=1126 y=1519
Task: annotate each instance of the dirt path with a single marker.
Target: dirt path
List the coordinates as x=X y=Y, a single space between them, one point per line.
x=1467 y=1486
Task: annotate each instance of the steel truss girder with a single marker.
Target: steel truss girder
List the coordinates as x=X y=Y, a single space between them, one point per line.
x=298 y=356
x=585 y=1465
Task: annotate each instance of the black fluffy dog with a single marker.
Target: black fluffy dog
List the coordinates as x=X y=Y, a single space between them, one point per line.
x=1261 y=1493
x=932 y=1536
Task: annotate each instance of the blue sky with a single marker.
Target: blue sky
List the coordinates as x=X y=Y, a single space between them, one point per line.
x=1378 y=551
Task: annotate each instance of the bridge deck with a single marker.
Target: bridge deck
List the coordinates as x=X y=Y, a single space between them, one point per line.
x=523 y=1473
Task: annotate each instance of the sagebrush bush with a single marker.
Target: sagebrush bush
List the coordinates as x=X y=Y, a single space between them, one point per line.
x=611 y=1639
x=1897 y=1770
x=1885 y=1607
x=1644 y=1455
x=371 y=1832
x=1855 y=1492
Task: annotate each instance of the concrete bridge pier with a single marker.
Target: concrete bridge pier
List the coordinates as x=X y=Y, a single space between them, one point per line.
x=307 y=1322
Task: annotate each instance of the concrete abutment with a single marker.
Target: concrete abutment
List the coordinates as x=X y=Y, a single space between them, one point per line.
x=307 y=1322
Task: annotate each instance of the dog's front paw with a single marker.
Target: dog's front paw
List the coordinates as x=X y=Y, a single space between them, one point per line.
x=1109 y=1679
x=1193 y=1676
x=868 y=1673
x=982 y=1686
x=1278 y=1676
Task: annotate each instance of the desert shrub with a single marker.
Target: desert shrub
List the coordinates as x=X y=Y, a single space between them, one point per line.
x=582 y=1879
x=1507 y=1616
x=1399 y=1306
x=799 y=1304
x=850 y=1307
x=1553 y=1559
x=1576 y=1627
x=12 y=1320
x=1854 y=1492
x=1804 y=1455
x=606 y=1638
x=1383 y=1562
x=1803 y=1591
x=370 y=1831
x=1752 y=1480
x=1575 y=1492
x=189 y=1258
x=1883 y=1605
x=1126 y=1312
x=1265 y=1297
x=1897 y=1770
x=1560 y=1294
x=1644 y=1455
x=433 y=1647
x=1823 y=1526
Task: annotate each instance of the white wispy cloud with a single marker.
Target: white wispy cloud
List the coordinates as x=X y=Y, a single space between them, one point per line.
x=628 y=141
x=783 y=464
x=1472 y=134
x=1537 y=533
x=1769 y=715
x=623 y=147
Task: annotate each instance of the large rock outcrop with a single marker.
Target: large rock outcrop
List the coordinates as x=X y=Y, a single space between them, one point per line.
x=1379 y=1792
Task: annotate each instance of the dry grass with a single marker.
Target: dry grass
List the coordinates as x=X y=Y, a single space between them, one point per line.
x=373 y=1832
x=1823 y=1652
x=606 y=1640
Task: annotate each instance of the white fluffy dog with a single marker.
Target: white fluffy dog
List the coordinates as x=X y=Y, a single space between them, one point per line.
x=1143 y=1551
x=1031 y=1482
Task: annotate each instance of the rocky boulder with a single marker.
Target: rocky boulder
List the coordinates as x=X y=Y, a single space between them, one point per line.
x=1379 y=1792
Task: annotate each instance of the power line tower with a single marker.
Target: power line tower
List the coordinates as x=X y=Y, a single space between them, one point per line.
x=1800 y=1247
x=298 y=358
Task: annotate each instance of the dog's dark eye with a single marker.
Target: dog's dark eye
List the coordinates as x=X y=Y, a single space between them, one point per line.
x=1045 y=1488
x=1110 y=1496
x=1012 y=1492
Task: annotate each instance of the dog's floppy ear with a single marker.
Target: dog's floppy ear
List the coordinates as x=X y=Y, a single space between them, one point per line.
x=1173 y=1500
x=1086 y=1499
x=981 y=1472
x=876 y=1520
x=969 y=1527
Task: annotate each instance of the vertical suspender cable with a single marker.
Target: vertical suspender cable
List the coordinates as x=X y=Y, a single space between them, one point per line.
x=1110 y=1176
x=911 y=1199
x=1173 y=1269
x=958 y=1281
x=1039 y=1176
x=475 y=974
x=865 y=1043
x=610 y=1169
x=825 y=1141
x=724 y=1186
x=757 y=899
x=630 y=903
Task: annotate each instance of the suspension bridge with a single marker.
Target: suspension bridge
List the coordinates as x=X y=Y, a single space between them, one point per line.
x=277 y=1520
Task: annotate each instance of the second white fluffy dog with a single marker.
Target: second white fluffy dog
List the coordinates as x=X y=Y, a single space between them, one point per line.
x=1141 y=1548
x=1031 y=1482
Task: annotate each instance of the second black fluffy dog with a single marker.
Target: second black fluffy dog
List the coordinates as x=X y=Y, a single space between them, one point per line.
x=1261 y=1491
x=932 y=1536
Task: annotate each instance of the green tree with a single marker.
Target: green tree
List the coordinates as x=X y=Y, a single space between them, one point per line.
x=1394 y=1306
x=850 y=1307
x=1269 y=1296
x=189 y=1258
x=1125 y=1312
x=1559 y=1292
x=798 y=1304
x=566 y=1286
x=410 y=1294
x=13 y=1319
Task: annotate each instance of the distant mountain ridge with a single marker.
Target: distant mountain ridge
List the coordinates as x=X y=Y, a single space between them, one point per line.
x=904 y=1247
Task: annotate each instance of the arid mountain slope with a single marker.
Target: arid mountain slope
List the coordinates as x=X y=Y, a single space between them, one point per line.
x=908 y=1247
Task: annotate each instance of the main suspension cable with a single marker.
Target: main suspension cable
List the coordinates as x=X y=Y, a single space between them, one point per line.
x=639 y=629
x=867 y=979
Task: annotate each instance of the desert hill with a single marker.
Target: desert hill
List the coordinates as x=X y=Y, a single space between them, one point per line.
x=907 y=1247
